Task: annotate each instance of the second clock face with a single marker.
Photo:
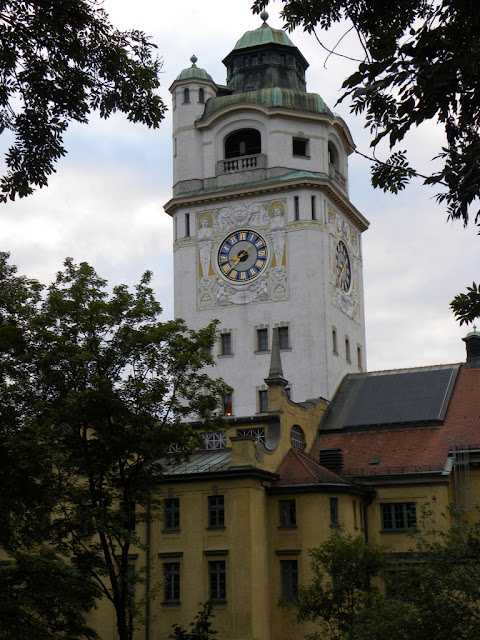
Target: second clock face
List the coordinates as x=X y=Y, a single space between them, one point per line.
x=344 y=269
x=243 y=255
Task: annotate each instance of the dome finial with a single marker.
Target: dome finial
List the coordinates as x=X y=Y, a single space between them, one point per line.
x=193 y=60
x=264 y=16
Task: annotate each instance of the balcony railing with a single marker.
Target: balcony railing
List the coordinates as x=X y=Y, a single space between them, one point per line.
x=337 y=176
x=242 y=163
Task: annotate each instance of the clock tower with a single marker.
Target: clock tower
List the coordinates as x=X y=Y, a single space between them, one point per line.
x=265 y=235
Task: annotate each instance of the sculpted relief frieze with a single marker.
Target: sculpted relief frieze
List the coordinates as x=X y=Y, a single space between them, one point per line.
x=242 y=277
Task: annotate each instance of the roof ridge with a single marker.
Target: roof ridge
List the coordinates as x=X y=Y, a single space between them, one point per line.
x=303 y=463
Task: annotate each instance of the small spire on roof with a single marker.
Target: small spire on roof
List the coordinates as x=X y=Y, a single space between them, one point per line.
x=193 y=60
x=275 y=375
x=264 y=16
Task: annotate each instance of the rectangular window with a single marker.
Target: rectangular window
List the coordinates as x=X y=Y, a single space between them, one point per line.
x=216 y=511
x=314 y=208
x=300 y=147
x=359 y=357
x=216 y=576
x=187 y=225
x=283 y=337
x=287 y=513
x=227 y=404
x=171 y=513
x=263 y=401
x=334 y=341
x=333 y=512
x=171 y=582
x=289 y=573
x=296 y=208
x=226 y=344
x=262 y=339
x=398 y=516
x=201 y=95
x=347 y=349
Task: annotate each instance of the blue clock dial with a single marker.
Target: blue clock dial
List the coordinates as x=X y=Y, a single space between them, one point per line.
x=343 y=267
x=243 y=255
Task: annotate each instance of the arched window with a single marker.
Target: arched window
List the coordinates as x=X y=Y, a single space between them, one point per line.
x=333 y=157
x=186 y=95
x=297 y=437
x=245 y=142
x=201 y=95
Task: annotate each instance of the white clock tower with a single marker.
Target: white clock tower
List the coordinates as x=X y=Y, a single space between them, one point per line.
x=265 y=234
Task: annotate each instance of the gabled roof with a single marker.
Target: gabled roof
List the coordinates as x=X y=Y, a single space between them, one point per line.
x=298 y=468
x=373 y=449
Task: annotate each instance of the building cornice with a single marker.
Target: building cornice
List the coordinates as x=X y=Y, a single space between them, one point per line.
x=253 y=189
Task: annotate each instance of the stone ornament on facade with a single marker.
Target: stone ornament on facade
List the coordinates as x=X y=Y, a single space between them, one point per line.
x=270 y=220
x=205 y=242
x=277 y=231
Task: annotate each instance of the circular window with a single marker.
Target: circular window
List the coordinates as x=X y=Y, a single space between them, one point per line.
x=297 y=437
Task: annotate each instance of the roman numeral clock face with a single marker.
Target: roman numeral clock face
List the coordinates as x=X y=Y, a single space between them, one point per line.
x=242 y=256
x=343 y=266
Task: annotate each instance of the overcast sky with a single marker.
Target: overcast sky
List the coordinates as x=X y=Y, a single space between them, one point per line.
x=105 y=202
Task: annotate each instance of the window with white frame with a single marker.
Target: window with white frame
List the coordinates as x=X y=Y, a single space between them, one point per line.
x=215 y=440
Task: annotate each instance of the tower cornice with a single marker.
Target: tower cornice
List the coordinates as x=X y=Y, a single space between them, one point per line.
x=271 y=185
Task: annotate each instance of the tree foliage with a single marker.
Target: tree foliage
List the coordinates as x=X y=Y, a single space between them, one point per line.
x=361 y=591
x=96 y=391
x=61 y=60
x=200 y=627
x=344 y=597
x=422 y=62
x=466 y=306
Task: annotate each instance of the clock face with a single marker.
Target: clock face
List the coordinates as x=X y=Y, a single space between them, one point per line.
x=243 y=255
x=344 y=270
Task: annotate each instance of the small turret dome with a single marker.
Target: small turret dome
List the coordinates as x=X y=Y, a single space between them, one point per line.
x=194 y=72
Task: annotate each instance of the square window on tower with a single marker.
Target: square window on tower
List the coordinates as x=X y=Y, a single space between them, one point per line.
x=300 y=147
x=226 y=344
x=283 y=337
x=262 y=339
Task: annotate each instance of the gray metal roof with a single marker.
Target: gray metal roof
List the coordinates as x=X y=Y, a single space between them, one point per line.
x=402 y=396
x=203 y=461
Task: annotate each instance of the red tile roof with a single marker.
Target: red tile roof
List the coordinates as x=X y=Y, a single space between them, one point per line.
x=298 y=468
x=418 y=448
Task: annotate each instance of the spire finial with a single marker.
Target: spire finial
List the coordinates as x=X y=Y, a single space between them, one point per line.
x=264 y=16
x=193 y=60
x=275 y=375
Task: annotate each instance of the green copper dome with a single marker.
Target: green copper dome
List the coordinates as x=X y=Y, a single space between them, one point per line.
x=194 y=72
x=274 y=97
x=263 y=35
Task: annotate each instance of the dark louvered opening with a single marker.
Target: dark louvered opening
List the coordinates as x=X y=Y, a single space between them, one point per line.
x=331 y=459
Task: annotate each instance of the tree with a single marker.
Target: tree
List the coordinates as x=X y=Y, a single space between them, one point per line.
x=200 y=627
x=96 y=390
x=62 y=59
x=343 y=598
x=421 y=62
x=439 y=579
